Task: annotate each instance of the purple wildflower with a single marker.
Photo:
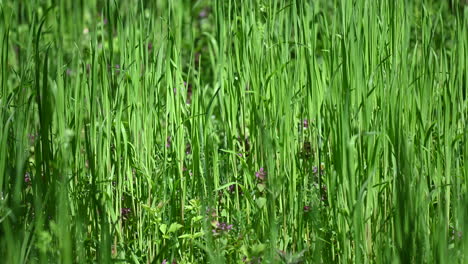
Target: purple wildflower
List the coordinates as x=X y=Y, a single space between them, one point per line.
x=261 y=174
x=203 y=13
x=27 y=178
x=306 y=208
x=315 y=169
x=164 y=261
x=168 y=142
x=125 y=212
x=305 y=123
x=221 y=228
x=233 y=188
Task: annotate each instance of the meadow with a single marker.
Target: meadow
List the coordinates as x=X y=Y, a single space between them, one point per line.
x=226 y=131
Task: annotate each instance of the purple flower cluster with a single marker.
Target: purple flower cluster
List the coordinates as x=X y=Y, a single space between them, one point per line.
x=261 y=174
x=307 y=208
x=203 y=13
x=125 y=212
x=305 y=123
x=322 y=169
x=218 y=227
x=221 y=228
x=233 y=188
x=27 y=178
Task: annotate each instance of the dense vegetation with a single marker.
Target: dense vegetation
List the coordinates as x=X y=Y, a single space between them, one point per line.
x=229 y=131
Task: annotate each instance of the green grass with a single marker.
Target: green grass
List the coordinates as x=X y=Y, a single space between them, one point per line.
x=133 y=131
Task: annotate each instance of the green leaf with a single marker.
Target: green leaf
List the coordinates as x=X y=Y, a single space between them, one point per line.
x=261 y=187
x=163 y=228
x=257 y=249
x=197 y=218
x=198 y=234
x=186 y=236
x=261 y=202
x=174 y=227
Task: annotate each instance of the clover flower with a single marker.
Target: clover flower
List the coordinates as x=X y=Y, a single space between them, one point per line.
x=221 y=228
x=125 y=212
x=261 y=174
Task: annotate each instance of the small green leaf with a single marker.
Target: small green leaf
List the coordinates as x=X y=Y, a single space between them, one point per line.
x=186 y=236
x=224 y=213
x=257 y=249
x=261 y=202
x=197 y=218
x=261 y=187
x=174 y=227
x=198 y=234
x=163 y=228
